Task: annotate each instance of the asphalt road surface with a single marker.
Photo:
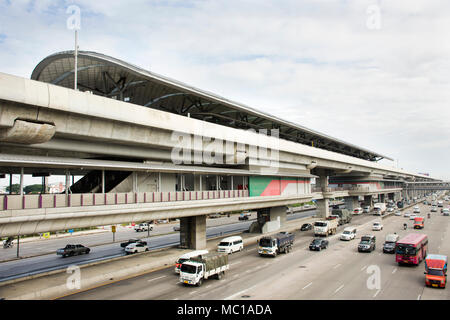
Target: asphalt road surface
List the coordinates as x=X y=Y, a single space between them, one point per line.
x=339 y=272
x=48 y=262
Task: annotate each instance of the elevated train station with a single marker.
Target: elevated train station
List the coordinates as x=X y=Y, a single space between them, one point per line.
x=149 y=147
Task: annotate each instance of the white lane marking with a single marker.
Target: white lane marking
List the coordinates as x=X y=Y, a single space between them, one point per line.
x=175 y=299
x=394 y=271
x=337 y=266
x=376 y=293
x=192 y=292
x=235 y=263
x=307 y=286
x=208 y=286
x=363 y=268
x=238 y=293
x=236 y=275
x=156 y=278
x=338 y=288
x=418 y=298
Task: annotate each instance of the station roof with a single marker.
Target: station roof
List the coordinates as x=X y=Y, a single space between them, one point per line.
x=113 y=78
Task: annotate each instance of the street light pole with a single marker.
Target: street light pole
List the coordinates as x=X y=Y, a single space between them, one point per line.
x=76 y=60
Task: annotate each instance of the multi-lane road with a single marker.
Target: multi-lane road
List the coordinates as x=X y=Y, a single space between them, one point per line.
x=162 y=237
x=339 y=272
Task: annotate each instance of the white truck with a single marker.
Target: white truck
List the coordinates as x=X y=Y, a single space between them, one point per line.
x=143 y=227
x=325 y=227
x=195 y=270
x=379 y=208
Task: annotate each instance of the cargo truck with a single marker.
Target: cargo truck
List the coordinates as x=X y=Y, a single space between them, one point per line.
x=197 y=269
x=273 y=245
x=436 y=270
x=325 y=227
x=379 y=208
x=344 y=215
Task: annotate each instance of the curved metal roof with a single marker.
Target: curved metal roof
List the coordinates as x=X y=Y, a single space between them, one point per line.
x=111 y=77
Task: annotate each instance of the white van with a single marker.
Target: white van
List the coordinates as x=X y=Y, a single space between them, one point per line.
x=348 y=234
x=230 y=244
x=187 y=256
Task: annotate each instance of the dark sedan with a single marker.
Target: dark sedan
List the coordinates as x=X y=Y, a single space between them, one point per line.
x=130 y=241
x=389 y=247
x=306 y=227
x=318 y=244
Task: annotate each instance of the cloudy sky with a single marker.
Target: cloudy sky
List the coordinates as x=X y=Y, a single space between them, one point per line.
x=370 y=72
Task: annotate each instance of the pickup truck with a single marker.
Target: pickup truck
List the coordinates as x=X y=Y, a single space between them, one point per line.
x=281 y=242
x=197 y=269
x=143 y=227
x=325 y=227
x=72 y=249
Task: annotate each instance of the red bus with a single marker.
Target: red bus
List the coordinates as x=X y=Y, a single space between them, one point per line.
x=411 y=249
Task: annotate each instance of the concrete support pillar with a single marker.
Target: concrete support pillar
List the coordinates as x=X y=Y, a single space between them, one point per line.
x=103 y=181
x=368 y=201
x=278 y=213
x=351 y=203
x=21 y=182
x=322 y=182
x=323 y=208
x=193 y=232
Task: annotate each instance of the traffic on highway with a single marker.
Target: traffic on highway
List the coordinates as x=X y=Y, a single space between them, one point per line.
x=358 y=261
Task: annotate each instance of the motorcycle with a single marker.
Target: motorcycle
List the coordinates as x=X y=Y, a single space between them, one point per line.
x=7 y=244
x=405 y=226
x=429 y=216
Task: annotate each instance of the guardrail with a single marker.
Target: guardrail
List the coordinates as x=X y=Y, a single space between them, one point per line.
x=37 y=201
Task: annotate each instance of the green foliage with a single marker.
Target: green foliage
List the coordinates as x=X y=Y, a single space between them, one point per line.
x=15 y=188
x=34 y=188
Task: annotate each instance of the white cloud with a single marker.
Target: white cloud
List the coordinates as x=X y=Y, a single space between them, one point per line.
x=311 y=62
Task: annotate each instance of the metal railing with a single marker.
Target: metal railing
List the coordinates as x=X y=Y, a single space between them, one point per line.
x=38 y=201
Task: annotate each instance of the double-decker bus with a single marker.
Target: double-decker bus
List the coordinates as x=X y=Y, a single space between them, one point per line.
x=411 y=249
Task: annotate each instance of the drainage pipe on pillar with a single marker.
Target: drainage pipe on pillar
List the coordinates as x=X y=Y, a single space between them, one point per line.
x=312 y=165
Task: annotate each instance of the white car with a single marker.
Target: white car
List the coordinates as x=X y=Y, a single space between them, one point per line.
x=358 y=211
x=416 y=209
x=390 y=209
x=348 y=234
x=407 y=214
x=377 y=226
x=136 y=247
x=412 y=217
x=366 y=209
x=398 y=213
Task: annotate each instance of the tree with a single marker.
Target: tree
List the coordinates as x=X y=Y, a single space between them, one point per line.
x=34 y=188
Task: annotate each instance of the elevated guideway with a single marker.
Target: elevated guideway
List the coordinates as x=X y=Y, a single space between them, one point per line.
x=132 y=134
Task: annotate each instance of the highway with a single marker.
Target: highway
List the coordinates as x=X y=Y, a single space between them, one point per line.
x=339 y=272
x=50 y=261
